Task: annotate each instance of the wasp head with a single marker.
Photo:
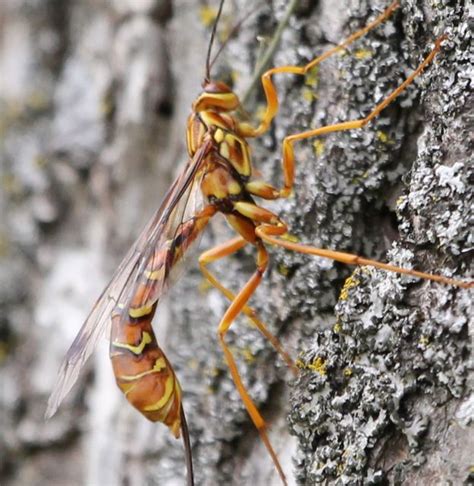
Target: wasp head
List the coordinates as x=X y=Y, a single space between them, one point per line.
x=216 y=96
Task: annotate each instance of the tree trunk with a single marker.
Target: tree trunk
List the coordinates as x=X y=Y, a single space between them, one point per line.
x=94 y=98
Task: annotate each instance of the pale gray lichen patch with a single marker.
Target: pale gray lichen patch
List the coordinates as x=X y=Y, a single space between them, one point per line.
x=359 y=378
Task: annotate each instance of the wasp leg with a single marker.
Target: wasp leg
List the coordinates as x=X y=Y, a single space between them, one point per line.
x=222 y=251
x=288 y=158
x=271 y=94
x=270 y=235
x=237 y=306
x=288 y=161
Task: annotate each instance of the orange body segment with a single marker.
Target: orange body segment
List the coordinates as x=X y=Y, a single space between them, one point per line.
x=143 y=373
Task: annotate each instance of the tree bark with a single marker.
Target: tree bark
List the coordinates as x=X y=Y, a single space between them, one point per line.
x=94 y=99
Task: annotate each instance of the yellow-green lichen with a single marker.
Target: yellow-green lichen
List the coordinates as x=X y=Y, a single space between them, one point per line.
x=424 y=340
x=349 y=284
x=347 y=372
x=319 y=365
x=363 y=54
x=207 y=15
x=318 y=146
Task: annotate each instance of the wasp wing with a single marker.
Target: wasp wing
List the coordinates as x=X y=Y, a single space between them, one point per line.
x=161 y=226
x=183 y=232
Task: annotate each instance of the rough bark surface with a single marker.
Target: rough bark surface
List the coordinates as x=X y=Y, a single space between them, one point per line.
x=94 y=97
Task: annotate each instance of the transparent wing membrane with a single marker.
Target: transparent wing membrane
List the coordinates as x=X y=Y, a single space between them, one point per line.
x=178 y=203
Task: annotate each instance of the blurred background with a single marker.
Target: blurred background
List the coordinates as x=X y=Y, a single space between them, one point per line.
x=94 y=97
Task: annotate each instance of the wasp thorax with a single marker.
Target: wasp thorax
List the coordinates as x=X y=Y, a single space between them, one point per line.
x=216 y=96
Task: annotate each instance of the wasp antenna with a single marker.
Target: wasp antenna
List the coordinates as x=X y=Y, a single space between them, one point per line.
x=187 y=448
x=265 y=60
x=234 y=30
x=213 y=35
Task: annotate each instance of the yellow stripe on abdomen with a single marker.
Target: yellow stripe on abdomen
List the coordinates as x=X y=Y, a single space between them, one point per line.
x=146 y=339
x=159 y=366
x=158 y=405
